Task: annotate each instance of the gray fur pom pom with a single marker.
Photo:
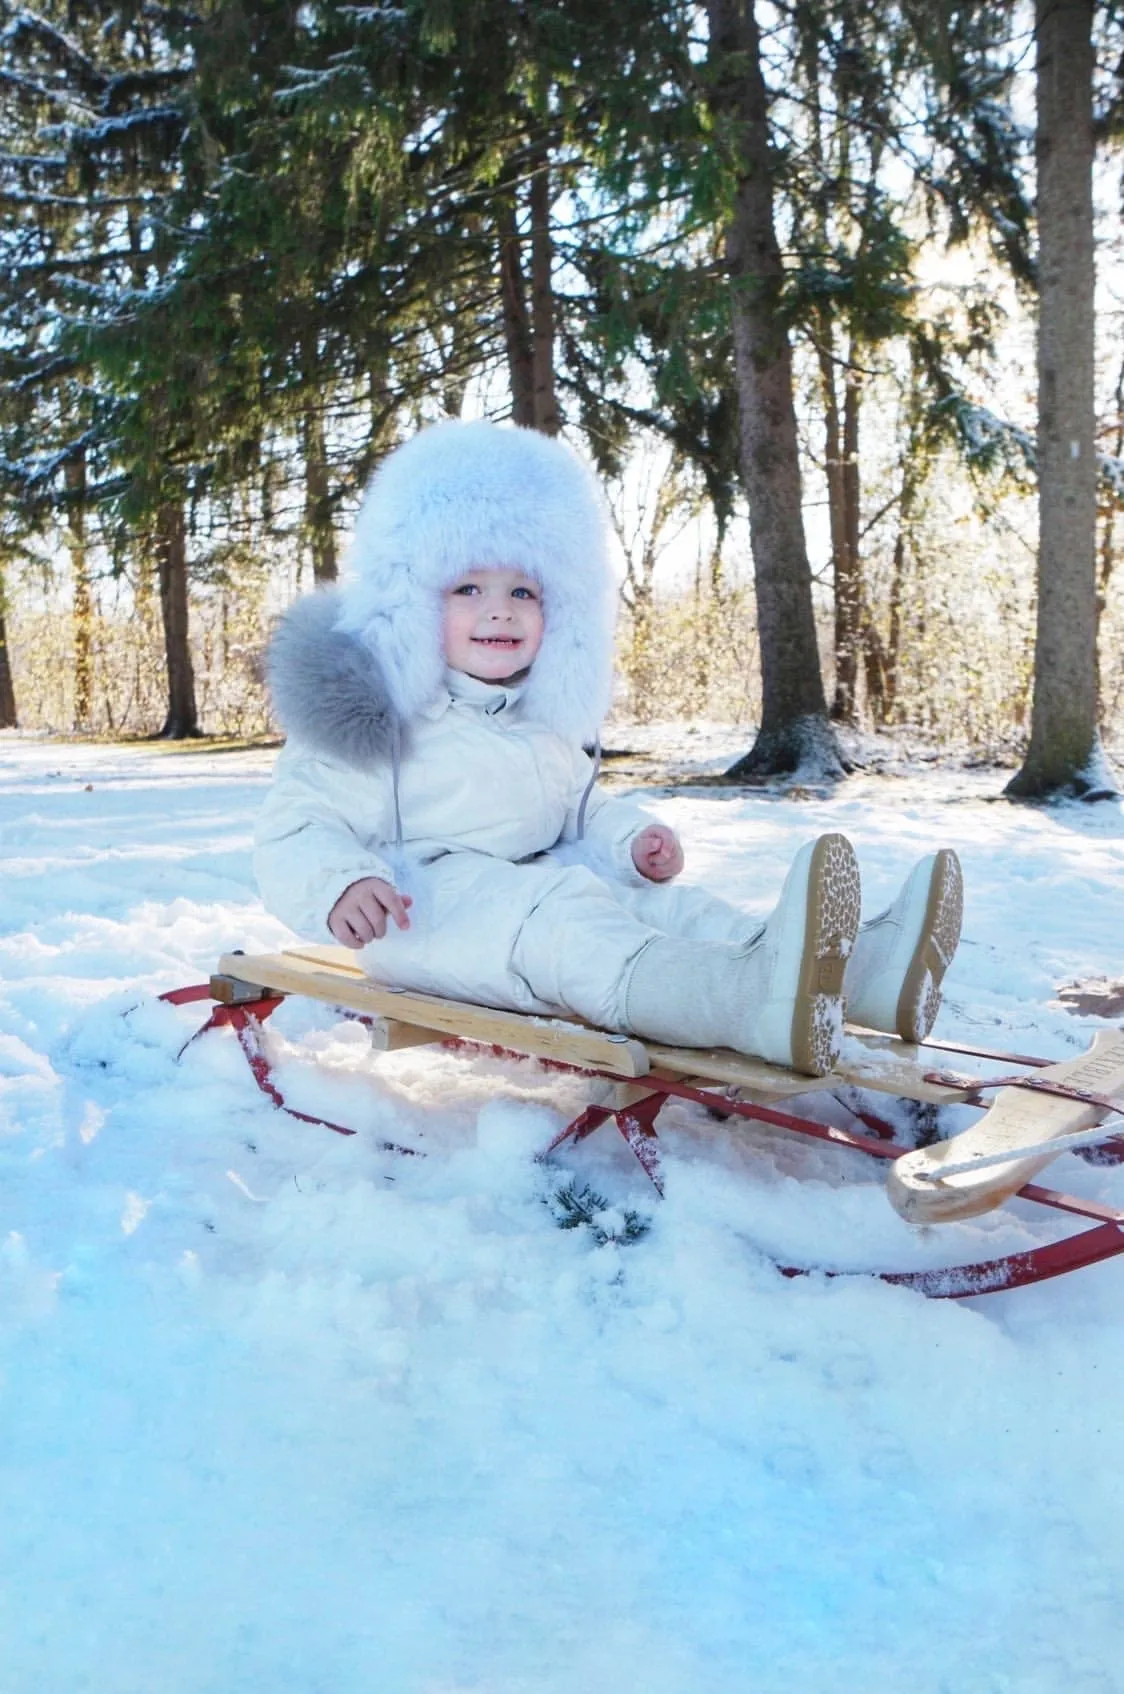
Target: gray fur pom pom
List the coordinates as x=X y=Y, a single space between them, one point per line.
x=326 y=686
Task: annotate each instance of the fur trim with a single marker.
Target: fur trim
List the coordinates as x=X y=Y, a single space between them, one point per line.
x=460 y=496
x=326 y=688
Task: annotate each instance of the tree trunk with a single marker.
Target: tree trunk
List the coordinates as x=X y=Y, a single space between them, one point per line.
x=82 y=599
x=883 y=658
x=1064 y=754
x=529 y=326
x=794 y=728
x=1107 y=548
x=9 y=718
x=171 y=555
x=844 y=497
x=516 y=321
x=853 y=596
x=546 y=412
x=882 y=674
x=318 y=522
x=833 y=472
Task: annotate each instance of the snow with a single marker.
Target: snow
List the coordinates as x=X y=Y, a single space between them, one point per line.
x=96 y=134
x=1098 y=778
x=279 y=1410
x=989 y=438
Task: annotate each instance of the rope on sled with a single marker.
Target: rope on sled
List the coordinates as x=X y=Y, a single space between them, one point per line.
x=1059 y=1144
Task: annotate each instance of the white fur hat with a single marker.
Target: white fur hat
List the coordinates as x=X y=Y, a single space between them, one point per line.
x=464 y=496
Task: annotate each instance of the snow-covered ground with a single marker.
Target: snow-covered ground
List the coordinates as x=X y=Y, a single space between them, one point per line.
x=281 y=1413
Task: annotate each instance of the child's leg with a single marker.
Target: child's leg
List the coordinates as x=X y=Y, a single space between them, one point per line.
x=692 y=913
x=893 y=976
x=544 y=937
x=778 y=994
x=538 y=937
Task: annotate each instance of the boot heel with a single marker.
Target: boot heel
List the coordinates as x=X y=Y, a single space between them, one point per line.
x=833 y=903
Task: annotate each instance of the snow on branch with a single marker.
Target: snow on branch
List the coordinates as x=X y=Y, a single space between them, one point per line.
x=65 y=264
x=35 y=161
x=1110 y=473
x=62 y=47
x=84 y=202
x=34 y=473
x=992 y=444
x=88 y=136
x=144 y=82
x=374 y=14
x=306 y=82
x=29 y=85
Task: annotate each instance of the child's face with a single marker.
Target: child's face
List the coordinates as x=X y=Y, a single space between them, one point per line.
x=493 y=623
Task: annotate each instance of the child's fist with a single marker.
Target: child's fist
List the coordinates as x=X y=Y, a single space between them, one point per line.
x=656 y=853
x=361 y=912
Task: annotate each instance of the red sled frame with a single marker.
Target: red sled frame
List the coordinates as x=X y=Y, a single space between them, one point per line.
x=636 y=1121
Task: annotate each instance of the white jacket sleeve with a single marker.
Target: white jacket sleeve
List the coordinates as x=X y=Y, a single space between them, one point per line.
x=611 y=822
x=323 y=827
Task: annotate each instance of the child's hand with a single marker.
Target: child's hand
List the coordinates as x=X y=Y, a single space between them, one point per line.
x=360 y=913
x=656 y=853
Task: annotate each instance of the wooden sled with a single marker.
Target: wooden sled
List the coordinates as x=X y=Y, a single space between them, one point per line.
x=961 y=1177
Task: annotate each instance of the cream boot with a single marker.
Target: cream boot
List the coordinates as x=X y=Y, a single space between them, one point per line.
x=777 y=997
x=893 y=976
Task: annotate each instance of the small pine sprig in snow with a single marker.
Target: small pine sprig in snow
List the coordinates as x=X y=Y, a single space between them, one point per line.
x=574 y=1207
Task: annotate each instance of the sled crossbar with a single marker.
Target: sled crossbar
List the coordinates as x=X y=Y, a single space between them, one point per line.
x=638 y=1078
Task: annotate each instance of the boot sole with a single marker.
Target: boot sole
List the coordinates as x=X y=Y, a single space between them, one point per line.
x=834 y=900
x=920 y=997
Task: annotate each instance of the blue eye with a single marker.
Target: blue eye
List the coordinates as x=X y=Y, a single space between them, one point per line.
x=524 y=594
x=467 y=588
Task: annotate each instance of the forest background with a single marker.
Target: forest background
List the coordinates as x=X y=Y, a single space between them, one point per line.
x=776 y=269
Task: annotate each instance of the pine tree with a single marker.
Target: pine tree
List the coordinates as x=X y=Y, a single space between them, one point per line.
x=96 y=150
x=9 y=717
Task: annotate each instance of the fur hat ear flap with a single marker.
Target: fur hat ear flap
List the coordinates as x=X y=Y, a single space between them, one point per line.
x=466 y=496
x=324 y=687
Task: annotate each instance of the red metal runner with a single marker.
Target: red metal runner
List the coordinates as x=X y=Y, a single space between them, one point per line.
x=246 y=1021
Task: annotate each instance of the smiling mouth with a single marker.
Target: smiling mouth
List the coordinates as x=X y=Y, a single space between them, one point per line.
x=498 y=640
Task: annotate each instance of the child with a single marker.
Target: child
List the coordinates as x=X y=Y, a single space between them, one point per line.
x=433 y=807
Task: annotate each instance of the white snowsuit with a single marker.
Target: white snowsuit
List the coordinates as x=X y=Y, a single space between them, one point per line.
x=466 y=795
x=484 y=793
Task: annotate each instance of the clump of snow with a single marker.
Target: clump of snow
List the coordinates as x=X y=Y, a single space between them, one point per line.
x=1098 y=779
x=282 y=1410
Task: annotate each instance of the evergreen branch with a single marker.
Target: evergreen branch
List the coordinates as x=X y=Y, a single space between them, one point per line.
x=126 y=83
x=28 y=85
x=36 y=161
x=66 y=52
x=576 y=1208
x=84 y=202
x=87 y=137
x=75 y=266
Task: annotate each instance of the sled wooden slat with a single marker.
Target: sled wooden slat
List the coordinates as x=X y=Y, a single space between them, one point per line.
x=566 y=1043
x=332 y=974
x=332 y=958
x=1016 y=1119
x=879 y=1062
x=875 y=1068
